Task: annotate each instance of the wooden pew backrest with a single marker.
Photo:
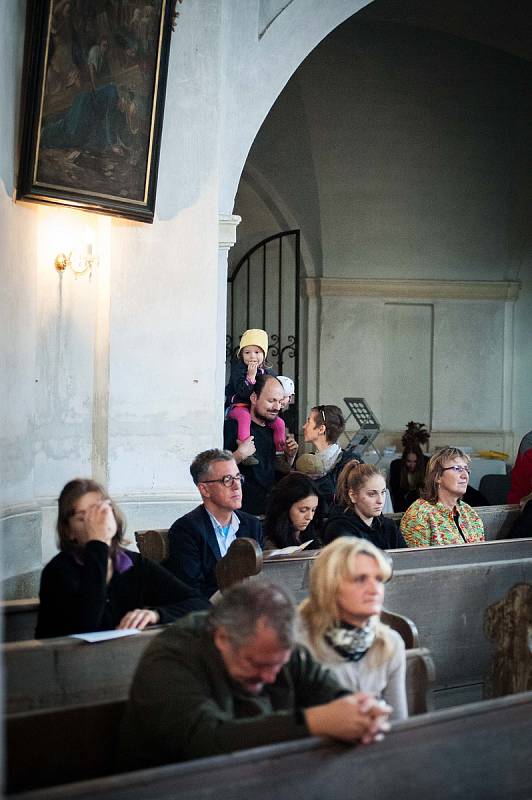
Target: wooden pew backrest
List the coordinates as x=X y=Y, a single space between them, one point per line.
x=153 y=544
x=420 y=677
x=62 y=745
x=20 y=619
x=46 y=748
x=497 y=521
x=50 y=673
x=477 y=751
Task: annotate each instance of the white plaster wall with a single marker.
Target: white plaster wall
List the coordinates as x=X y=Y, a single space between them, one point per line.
x=352 y=351
x=255 y=68
x=18 y=272
x=123 y=377
x=468 y=366
x=417 y=165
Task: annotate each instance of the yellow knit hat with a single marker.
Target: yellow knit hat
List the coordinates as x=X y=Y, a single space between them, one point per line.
x=254 y=336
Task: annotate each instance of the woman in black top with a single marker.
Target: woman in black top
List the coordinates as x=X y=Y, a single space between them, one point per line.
x=294 y=513
x=407 y=477
x=361 y=493
x=94 y=584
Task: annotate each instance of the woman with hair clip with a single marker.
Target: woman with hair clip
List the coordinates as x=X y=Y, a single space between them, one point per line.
x=360 y=498
x=293 y=513
x=340 y=621
x=441 y=516
x=323 y=428
x=93 y=583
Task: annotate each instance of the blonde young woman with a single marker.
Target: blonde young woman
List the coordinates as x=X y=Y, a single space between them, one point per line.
x=360 y=497
x=340 y=621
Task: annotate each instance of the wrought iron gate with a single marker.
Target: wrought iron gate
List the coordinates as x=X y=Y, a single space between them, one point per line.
x=263 y=292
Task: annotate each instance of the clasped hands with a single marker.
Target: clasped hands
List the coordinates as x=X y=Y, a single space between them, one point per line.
x=355 y=717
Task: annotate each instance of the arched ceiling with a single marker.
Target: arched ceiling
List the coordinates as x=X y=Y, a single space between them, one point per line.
x=502 y=24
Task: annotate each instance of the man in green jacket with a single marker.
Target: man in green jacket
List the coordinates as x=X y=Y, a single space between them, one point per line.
x=232 y=678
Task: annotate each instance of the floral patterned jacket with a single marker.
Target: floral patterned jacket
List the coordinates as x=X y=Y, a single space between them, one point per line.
x=425 y=524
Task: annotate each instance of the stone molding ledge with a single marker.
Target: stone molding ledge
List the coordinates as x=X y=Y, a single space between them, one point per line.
x=227 y=225
x=144 y=499
x=412 y=289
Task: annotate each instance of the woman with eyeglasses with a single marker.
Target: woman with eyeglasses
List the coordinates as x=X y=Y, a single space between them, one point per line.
x=94 y=583
x=322 y=429
x=340 y=621
x=441 y=516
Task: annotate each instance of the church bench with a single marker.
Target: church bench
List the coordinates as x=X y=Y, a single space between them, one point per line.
x=478 y=751
x=20 y=618
x=48 y=673
x=446 y=603
x=61 y=745
x=51 y=673
x=293 y=571
x=497 y=520
x=74 y=743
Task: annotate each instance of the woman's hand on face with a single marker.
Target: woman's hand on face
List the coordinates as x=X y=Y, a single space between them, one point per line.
x=139 y=618
x=100 y=522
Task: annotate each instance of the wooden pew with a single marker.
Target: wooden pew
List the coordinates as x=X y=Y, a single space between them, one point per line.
x=74 y=743
x=498 y=520
x=476 y=751
x=445 y=599
x=293 y=571
x=67 y=744
x=20 y=618
x=49 y=673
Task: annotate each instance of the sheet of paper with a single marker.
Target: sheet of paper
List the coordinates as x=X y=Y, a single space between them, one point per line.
x=288 y=551
x=103 y=636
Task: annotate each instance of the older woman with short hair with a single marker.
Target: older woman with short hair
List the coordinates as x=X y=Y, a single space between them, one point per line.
x=340 y=621
x=442 y=517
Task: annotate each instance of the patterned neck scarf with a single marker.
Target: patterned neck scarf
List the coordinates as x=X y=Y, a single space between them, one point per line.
x=350 y=642
x=330 y=456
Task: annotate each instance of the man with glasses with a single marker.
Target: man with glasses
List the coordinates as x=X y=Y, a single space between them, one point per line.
x=200 y=538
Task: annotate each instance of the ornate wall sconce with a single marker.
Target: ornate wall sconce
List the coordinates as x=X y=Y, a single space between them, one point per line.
x=78 y=263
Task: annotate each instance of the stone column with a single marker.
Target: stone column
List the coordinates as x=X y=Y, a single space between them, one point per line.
x=227 y=225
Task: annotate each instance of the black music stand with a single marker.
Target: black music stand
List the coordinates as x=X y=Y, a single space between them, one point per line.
x=369 y=426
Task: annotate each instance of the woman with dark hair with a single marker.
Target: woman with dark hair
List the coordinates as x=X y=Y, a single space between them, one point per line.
x=441 y=516
x=93 y=583
x=294 y=512
x=360 y=498
x=407 y=476
x=323 y=428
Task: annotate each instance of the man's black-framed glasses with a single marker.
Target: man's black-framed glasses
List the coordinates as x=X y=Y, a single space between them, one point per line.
x=227 y=480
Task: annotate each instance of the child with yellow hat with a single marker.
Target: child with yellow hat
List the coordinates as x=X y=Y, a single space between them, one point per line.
x=250 y=362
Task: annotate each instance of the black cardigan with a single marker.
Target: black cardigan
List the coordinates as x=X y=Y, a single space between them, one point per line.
x=382 y=532
x=76 y=598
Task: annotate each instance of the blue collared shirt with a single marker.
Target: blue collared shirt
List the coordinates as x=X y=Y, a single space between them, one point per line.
x=225 y=536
